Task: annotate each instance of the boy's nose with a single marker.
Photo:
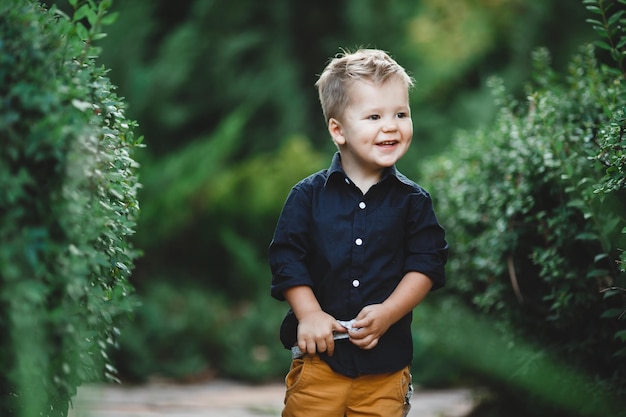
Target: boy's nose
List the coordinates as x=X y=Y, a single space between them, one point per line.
x=390 y=126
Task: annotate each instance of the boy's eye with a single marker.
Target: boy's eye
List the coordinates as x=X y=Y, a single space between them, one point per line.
x=374 y=117
x=402 y=115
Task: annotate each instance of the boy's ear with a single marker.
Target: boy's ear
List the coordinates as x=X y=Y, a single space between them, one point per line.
x=336 y=131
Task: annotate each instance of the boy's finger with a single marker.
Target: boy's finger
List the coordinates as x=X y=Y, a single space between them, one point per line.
x=337 y=327
x=330 y=346
x=362 y=322
x=371 y=345
x=311 y=347
x=358 y=334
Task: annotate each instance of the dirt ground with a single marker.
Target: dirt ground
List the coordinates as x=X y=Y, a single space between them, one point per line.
x=230 y=399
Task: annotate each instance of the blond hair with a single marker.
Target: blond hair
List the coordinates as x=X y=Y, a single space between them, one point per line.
x=371 y=65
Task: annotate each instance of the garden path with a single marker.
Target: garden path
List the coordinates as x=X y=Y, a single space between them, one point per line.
x=218 y=398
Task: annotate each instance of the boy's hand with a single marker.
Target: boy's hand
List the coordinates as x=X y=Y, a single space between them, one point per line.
x=371 y=323
x=374 y=320
x=315 y=332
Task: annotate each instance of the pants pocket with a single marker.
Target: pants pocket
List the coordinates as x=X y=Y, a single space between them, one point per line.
x=407 y=389
x=294 y=376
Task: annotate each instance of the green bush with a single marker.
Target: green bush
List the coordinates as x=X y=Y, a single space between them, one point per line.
x=67 y=207
x=186 y=332
x=534 y=208
x=218 y=318
x=158 y=341
x=522 y=378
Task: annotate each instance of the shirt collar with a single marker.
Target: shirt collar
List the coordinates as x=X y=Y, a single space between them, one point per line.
x=336 y=169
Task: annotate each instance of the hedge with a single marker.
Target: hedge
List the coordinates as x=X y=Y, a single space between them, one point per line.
x=534 y=208
x=68 y=205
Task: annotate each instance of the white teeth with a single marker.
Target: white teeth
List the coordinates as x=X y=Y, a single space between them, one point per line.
x=388 y=143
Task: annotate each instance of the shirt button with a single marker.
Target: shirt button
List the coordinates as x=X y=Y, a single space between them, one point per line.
x=358 y=241
x=356 y=283
x=362 y=205
x=347 y=180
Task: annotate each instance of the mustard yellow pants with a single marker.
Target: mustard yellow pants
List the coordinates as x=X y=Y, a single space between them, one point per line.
x=315 y=390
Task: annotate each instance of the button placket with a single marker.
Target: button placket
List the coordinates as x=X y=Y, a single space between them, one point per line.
x=359 y=237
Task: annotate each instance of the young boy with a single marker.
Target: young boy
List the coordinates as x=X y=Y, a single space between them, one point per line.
x=356 y=248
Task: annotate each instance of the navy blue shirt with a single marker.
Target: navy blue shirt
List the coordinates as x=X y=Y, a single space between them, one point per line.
x=353 y=250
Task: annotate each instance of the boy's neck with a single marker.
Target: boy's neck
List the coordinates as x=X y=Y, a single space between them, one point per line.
x=365 y=185
x=364 y=180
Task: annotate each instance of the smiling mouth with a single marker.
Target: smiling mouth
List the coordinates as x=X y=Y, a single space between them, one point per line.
x=388 y=143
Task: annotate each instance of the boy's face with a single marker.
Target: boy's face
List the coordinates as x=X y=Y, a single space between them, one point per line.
x=375 y=129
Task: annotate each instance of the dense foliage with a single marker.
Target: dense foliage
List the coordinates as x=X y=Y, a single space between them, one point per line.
x=68 y=205
x=215 y=317
x=534 y=207
x=191 y=64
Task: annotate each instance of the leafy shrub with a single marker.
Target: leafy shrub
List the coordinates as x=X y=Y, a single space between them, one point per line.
x=523 y=378
x=188 y=332
x=67 y=207
x=174 y=333
x=218 y=318
x=534 y=210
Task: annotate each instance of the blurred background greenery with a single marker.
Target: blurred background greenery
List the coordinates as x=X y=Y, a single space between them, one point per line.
x=223 y=92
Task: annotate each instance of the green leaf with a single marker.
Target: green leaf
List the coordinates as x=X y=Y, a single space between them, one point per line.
x=92 y=17
x=612 y=313
x=613 y=19
x=105 y=5
x=594 y=22
x=621 y=335
x=599 y=257
x=594 y=9
x=594 y=273
x=82 y=31
x=110 y=18
x=603 y=45
x=577 y=203
x=81 y=13
x=601 y=30
x=610 y=292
